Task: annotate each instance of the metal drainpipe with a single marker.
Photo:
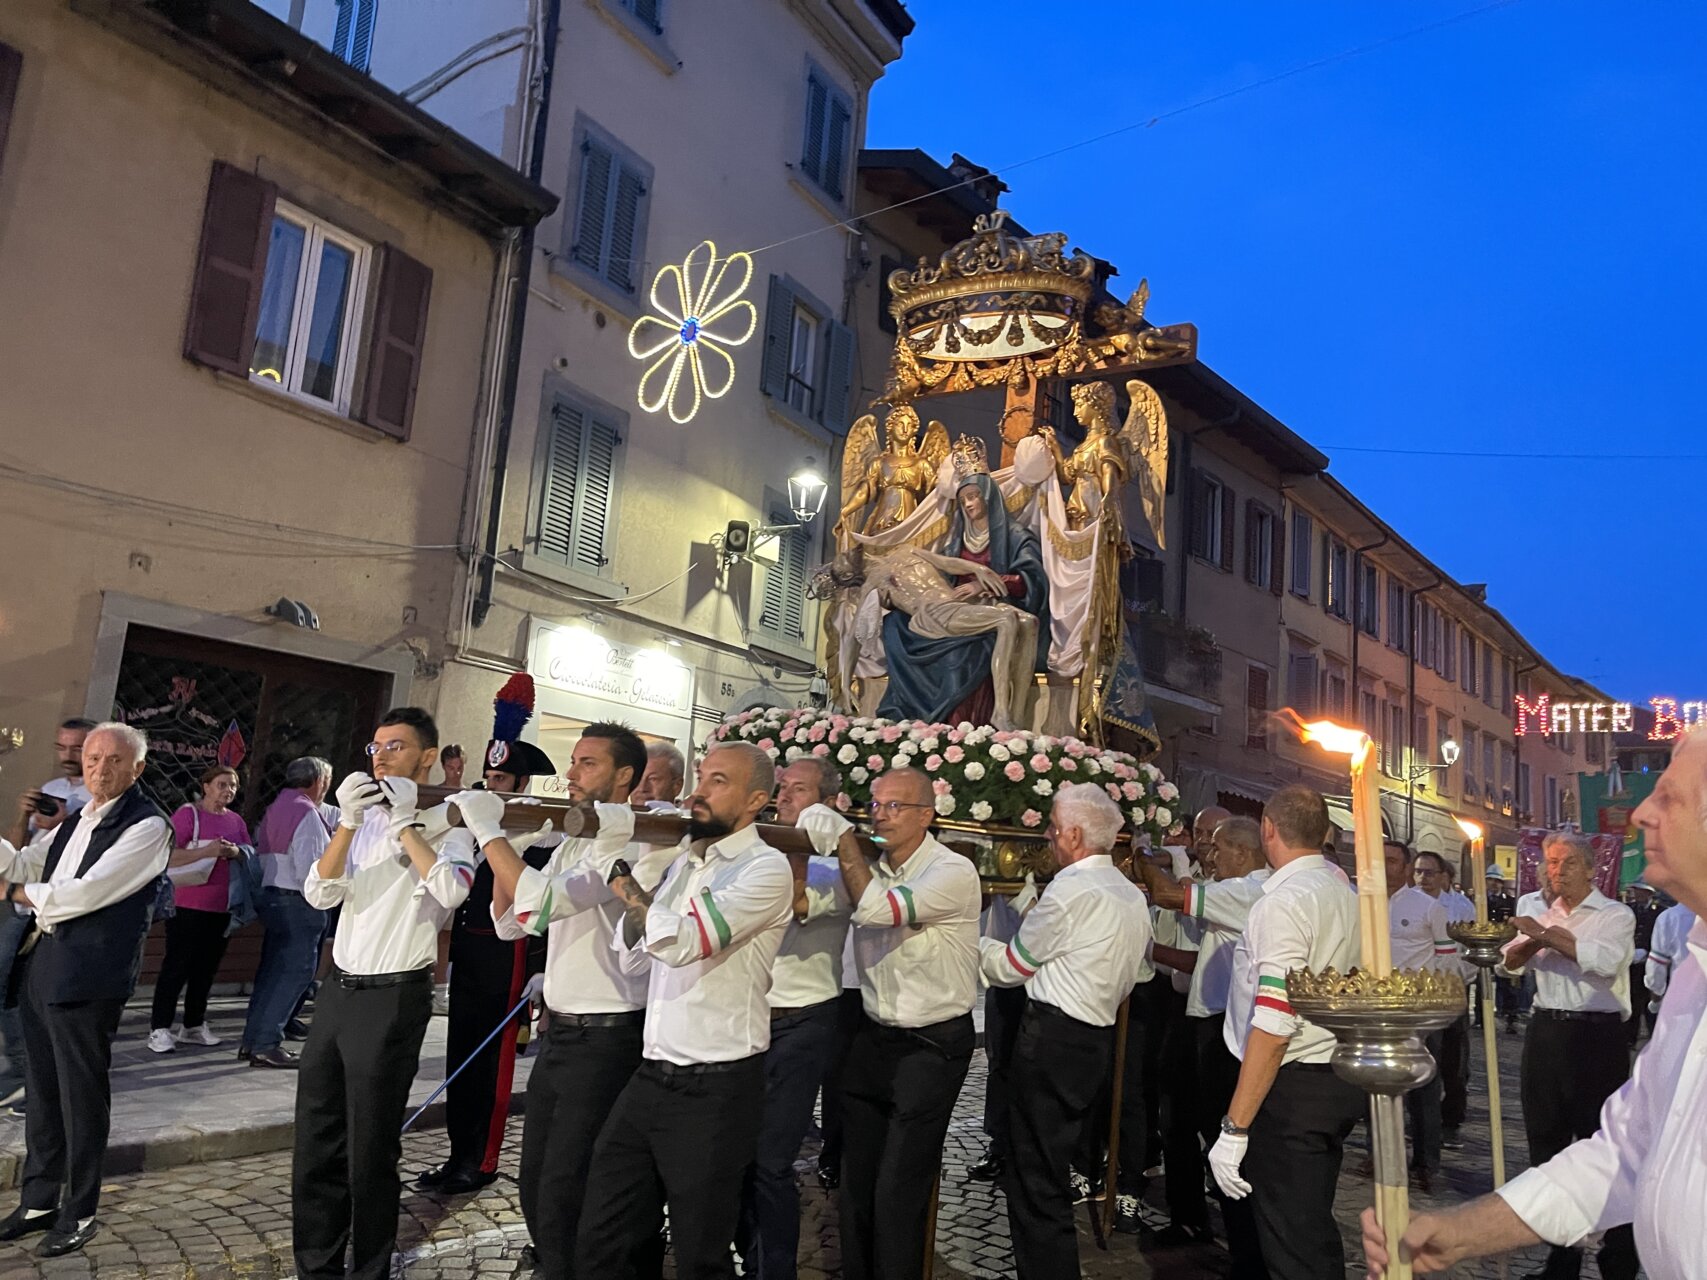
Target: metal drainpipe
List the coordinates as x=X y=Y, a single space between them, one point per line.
x=487 y=566
x=1411 y=706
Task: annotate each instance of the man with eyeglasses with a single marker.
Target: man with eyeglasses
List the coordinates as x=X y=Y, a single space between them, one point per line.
x=915 y=934
x=398 y=874
x=1434 y=878
x=1420 y=941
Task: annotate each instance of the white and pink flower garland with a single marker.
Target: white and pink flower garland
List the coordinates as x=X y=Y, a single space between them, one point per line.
x=979 y=774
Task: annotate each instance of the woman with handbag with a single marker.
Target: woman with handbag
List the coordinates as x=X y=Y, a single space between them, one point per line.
x=207 y=836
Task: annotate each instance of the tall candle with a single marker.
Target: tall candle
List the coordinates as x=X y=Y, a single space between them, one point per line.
x=1376 y=929
x=1478 y=868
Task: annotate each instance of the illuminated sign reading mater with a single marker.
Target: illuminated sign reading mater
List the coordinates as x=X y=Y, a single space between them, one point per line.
x=1544 y=716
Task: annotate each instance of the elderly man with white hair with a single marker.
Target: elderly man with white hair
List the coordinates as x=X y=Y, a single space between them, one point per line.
x=1078 y=953
x=1645 y=1165
x=91 y=887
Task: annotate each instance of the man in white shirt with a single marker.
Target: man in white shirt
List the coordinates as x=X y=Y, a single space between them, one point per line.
x=398 y=874
x=1078 y=953
x=1670 y=948
x=90 y=887
x=916 y=944
x=1417 y=925
x=806 y=986
x=685 y=1127
x=1453 y=1051
x=1579 y=948
x=597 y=1007
x=1289 y=1109
x=1645 y=1165
x=1219 y=909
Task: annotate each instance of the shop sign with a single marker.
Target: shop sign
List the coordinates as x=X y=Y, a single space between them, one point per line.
x=576 y=659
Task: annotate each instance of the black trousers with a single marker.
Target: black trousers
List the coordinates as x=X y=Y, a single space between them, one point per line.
x=1217 y=1077
x=898 y=1094
x=1092 y=1146
x=850 y=1012
x=1454 y=1061
x=680 y=1136
x=1423 y=1112
x=1003 y=1008
x=352 y=1092
x=1570 y=1068
x=1293 y=1164
x=1182 y=1120
x=1639 y=1002
x=768 y=1236
x=1054 y=1072
x=68 y=1052
x=195 y=944
x=579 y=1075
x=1162 y=1005
x=486 y=979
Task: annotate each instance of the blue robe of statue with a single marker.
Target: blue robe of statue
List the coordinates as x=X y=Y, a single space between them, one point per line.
x=928 y=679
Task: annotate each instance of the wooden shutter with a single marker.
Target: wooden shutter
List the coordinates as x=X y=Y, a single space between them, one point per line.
x=838 y=376
x=1250 y=540
x=1228 y=523
x=592 y=218
x=647 y=12
x=556 y=530
x=578 y=490
x=225 y=294
x=1302 y=684
x=398 y=343
x=817 y=107
x=783 y=611
x=1256 y=708
x=1277 y=557
x=779 y=327
x=361 y=46
x=620 y=267
x=836 y=148
x=11 y=71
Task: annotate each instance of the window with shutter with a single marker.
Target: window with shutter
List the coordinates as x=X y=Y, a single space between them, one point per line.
x=576 y=516
x=649 y=13
x=352 y=37
x=782 y=611
x=836 y=147
x=1301 y=684
x=779 y=326
x=399 y=335
x=838 y=377
x=225 y=295
x=1228 y=527
x=607 y=235
x=1302 y=547
x=1256 y=708
x=817 y=116
x=592 y=214
x=825 y=152
x=11 y=71
x=621 y=265
x=1261 y=545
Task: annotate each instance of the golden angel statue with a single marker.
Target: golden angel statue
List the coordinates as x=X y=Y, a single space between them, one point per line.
x=1104 y=462
x=892 y=480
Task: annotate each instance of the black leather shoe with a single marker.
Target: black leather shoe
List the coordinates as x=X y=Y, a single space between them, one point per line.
x=243 y=1052
x=465 y=1180
x=20 y=1222
x=986 y=1170
x=276 y=1058
x=829 y=1177
x=296 y=1029
x=429 y=1179
x=59 y=1243
x=1177 y=1235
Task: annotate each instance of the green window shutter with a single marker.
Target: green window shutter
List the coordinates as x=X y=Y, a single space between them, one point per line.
x=817 y=109
x=621 y=269
x=578 y=490
x=595 y=497
x=783 y=611
x=779 y=324
x=592 y=219
x=557 y=496
x=836 y=146
x=838 y=376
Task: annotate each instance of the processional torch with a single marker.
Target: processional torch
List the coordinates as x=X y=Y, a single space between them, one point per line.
x=1377 y=1014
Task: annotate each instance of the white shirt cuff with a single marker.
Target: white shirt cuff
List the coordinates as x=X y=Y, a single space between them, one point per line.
x=1547 y=1209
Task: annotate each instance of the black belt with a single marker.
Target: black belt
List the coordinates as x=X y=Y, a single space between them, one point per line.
x=777 y=1014
x=627 y=1018
x=1579 y=1015
x=1054 y=1014
x=360 y=981
x=659 y=1067
x=1307 y=1066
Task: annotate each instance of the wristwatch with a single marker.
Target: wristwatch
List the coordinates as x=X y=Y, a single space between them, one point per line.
x=1232 y=1130
x=618 y=868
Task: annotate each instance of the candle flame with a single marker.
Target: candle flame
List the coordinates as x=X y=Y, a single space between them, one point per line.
x=1471 y=829
x=1335 y=738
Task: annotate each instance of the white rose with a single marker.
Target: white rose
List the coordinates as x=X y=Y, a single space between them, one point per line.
x=974 y=771
x=794 y=753
x=848 y=754
x=1151 y=772
x=929 y=744
x=980 y=811
x=1090 y=766
x=945 y=805
x=998 y=752
x=1043 y=786
x=1164 y=816
x=906 y=748
x=1137 y=816
x=772 y=752
x=858 y=773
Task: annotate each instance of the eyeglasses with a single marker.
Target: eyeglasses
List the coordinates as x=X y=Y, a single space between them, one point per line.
x=386 y=748
x=893 y=807
x=1425 y=871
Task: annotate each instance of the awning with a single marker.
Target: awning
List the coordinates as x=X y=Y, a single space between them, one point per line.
x=1339 y=813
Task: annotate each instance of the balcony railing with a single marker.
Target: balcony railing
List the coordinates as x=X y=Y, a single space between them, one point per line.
x=1178 y=654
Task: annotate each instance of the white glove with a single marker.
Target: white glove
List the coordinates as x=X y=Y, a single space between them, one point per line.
x=1224 y=1160
x=535 y=987
x=825 y=826
x=1026 y=898
x=616 y=826
x=482 y=813
x=400 y=793
x=435 y=823
x=356 y=795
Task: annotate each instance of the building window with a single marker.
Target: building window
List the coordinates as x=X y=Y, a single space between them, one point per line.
x=1334 y=691
x=782 y=612
x=1488 y=676
x=1370 y=710
x=1489 y=794
x=1397 y=723
x=612 y=201
x=1506 y=761
x=1261 y=547
x=648 y=13
x=1420 y=737
x=352 y=37
x=1468 y=747
x=1368 y=599
x=1336 y=564
x=1302 y=546
x=808 y=358
x=1448 y=650
x=1594 y=749
x=1398 y=621
x=1211 y=520
x=1505 y=685
x=1525 y=801
x=829 y=135
x=1256 y=708
x=1302 y=684
x=1467 y=664
x=311 y=306
x=1443 y=731
x=1552 y=794
x=575 y=517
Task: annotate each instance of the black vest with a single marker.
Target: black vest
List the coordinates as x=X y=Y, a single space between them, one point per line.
x=97 y=956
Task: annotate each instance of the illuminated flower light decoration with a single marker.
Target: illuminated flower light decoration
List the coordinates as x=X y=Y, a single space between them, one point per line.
x=686 y=340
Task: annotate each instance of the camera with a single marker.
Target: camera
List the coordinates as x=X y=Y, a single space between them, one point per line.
x=45 y=805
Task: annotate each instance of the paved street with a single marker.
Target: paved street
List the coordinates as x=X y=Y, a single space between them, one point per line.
x=230 y=1218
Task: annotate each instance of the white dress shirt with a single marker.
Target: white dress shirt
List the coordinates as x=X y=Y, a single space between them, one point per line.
x=1220 y=909
x=711 y=937
x=916 y=938
x=392 y=916
x=1647 y=1164
x=1598 y=980
x=1459 y=908
x=1417 y=923
x=130 y=862
x=808 y=968
x=569 y=901
x=1668 y=948
x=288 y=869
x=1306 y=918
x=1080 y=948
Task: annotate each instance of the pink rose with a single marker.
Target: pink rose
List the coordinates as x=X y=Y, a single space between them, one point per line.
x=1031 y=818
x=822 y=749
x=941 y=787
x=1040 y=763
x=816 y=732
x=954 y=755
x=839 y=723
x=892 y=733
x=1015 y=771
x=844 y=802
x=765 y=744
x=933 y=763
x=1003 y=736
x=1131 y=790
x=955 y=735
x=874 y=763
x=1069 y=765
x=1113 y=790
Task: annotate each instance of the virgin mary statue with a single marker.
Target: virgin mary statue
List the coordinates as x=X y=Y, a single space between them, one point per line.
x=947 y=678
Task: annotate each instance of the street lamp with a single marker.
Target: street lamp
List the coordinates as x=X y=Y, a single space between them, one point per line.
x=1449 y=752
x=806 y=490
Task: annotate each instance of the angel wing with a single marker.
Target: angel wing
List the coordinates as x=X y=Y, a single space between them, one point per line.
x=857 y=455
x=934 y=447
x=1145 y=435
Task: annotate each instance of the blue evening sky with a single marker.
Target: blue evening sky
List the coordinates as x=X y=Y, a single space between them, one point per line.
x=1484 y=238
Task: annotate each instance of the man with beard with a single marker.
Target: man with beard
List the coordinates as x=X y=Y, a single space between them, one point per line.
x=592 y=1043
x=685 y=1127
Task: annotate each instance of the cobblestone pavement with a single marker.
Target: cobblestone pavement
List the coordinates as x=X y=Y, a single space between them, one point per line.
x=230 y=1218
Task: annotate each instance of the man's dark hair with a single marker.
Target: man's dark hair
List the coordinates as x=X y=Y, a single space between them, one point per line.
x=81 y=723
x=1438 y=857
x=626 y=746
x=1409 y=854
x=423 y=724
x=1300 y=816
x=829 y=777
